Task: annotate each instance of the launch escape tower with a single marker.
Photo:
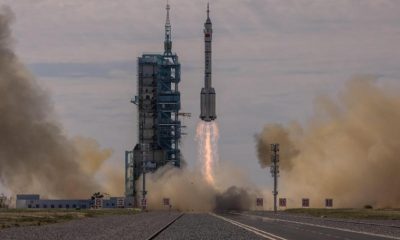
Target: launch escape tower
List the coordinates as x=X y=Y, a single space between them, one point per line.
x=158 y=101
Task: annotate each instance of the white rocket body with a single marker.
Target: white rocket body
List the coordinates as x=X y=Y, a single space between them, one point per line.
x=207 y=96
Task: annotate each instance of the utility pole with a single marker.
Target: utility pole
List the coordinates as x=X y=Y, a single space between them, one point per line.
x=144 y=150
x=275 y=171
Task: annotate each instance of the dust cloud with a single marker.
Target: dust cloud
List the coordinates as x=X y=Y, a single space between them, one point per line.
x=235 y=198
x=349 y=150
x=36 y=156
x=189 y=189
x=211 y=185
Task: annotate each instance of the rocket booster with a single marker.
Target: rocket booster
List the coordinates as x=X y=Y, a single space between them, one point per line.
x=207 y=96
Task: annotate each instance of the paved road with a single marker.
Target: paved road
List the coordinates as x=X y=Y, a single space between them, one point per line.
x=188 y=226
x=204 y=226
x=381 y=227
x=282 y=229
x=139 y=226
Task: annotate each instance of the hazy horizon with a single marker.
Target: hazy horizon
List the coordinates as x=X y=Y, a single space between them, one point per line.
x=271 y=60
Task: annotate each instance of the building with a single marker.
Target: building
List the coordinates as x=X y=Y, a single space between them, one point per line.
x=158 y=102
x=34 y=201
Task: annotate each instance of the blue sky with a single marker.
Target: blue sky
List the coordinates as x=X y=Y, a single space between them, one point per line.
x=271 y=60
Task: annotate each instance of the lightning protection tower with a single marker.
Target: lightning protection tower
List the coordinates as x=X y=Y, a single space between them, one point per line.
x=275 y=171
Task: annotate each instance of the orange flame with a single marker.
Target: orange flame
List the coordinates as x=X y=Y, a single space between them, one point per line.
x=207 y=137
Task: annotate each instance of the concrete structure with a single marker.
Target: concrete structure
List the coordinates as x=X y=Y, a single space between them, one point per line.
x=207 y=95
x=158 y=102
x=34 y=201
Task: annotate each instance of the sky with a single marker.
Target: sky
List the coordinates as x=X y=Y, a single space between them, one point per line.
x=271 y=60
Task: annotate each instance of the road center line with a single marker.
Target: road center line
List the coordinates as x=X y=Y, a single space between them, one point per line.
x=254 y=230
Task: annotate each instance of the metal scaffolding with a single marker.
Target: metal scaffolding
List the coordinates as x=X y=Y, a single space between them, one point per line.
x=158 y=101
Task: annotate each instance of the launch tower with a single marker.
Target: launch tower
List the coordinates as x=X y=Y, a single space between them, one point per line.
x=159 y=126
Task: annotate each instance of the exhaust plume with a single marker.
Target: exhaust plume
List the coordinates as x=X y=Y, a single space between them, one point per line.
x=348 y=151
x=207 y=137
x=35 y=154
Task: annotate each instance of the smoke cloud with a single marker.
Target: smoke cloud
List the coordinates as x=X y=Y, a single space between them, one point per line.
x=211 y=185
x=348 y=151
x=189 y=190
x=235 y=198
x=35 y=154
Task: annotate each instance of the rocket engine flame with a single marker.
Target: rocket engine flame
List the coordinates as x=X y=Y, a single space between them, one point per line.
x=207 y=137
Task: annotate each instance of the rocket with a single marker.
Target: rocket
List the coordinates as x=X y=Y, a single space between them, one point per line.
x=207 y=95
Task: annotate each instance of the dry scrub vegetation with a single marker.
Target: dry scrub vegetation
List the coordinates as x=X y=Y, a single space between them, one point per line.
x=19 y=218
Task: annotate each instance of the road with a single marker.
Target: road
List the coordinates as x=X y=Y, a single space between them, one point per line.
x=138 y=226
x=175 y=225
x=288 y=229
